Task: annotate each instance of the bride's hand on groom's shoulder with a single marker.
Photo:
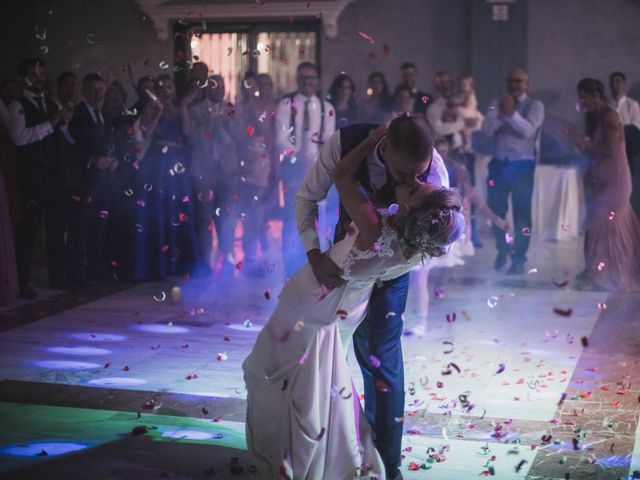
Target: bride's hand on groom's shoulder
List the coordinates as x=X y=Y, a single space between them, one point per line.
x=325 y=270
x=381 y=130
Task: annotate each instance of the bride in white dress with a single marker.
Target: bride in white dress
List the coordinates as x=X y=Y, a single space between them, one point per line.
x=304 y=419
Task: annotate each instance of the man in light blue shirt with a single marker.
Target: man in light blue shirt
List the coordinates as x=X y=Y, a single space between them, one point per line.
x=514 y=124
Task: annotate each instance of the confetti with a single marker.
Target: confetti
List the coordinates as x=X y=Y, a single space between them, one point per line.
x=612 y=215
x=375 y=361
x=526 y=232
x=584 y=341
x=299 y=325
x=342 y=314
x=451 y=317
x=602 y=306
x=438 y=292
x=250 y=131
x=560 y=284
x=425 y=99
x=221 y=357
x=247 y=323
x=600 y=266
x=450 y=344
x=563 y=312
x=161 y=298
x=366 y=37
x=501 y=368
x=267 y=294
x=492 y=302
x=91 y=39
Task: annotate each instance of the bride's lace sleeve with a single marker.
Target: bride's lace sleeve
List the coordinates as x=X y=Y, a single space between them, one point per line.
x=382 y=248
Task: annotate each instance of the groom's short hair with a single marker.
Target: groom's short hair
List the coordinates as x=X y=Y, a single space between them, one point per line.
x=411 y=136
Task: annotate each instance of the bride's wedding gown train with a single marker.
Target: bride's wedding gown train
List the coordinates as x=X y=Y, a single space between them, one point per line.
x=304 y=419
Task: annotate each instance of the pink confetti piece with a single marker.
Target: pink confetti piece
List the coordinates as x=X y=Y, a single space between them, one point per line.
x=366 y=37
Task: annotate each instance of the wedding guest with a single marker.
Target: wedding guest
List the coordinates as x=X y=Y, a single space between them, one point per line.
x=303 y=122
x=467 y=106
x=402 y=102
x=166 y=242
x=421 y=100
x=342 y=95
x=260 y=188
x=627 y=108
x=442 y=114
x=513 y=124
x=144 y=84
x=9 y=91
x=216 y=138
x=67 y=90
x=8 y=272
x=34 y=128
x=89 y=170
x=612 y=235
x=376 y=106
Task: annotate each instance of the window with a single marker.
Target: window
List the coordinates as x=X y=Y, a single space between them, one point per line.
x=275 y=49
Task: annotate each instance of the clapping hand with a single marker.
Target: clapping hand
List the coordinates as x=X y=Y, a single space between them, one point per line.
x=507 y=106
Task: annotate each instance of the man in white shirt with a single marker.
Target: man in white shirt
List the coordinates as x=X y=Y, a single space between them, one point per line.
x=405 y=153
x=303 y=123
x=627 y=108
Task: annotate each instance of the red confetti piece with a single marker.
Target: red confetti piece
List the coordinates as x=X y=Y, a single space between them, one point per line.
x=381 y=386
x=165 y=248
x=126 y=368
x=563 y=312
x=616 y=403
x=183 y=217
x=250 y=131
x=343 y=314
x=238 y=265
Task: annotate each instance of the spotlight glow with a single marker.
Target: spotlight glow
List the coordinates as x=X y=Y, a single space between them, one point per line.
x=155 y=328
x=117 y=382
x=98 y=337
x=52 y=448
x=189 y=434
x=66 y=364
x=252 y=328
x=79 y=350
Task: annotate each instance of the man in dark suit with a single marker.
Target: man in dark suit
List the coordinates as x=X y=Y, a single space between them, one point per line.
x=35 y=122
x=89 y=162
x=421 y=100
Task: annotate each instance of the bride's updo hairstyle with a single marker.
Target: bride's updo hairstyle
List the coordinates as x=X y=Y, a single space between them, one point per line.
x=433 y=226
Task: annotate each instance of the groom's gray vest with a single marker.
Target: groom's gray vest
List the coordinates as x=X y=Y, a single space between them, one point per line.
x=350 y=137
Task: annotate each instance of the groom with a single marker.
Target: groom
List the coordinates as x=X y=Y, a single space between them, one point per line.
x=405 y=153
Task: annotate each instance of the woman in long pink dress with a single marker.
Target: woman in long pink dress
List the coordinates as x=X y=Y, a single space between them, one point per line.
x=612 y=242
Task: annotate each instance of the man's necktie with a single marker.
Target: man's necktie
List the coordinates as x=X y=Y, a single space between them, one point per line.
x=40 y=101
x=98 y=117
x=305 y=117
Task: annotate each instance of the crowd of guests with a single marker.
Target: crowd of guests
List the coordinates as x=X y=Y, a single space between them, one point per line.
x=144 y=189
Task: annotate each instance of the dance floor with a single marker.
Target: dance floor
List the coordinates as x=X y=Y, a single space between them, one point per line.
x=516 y=377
